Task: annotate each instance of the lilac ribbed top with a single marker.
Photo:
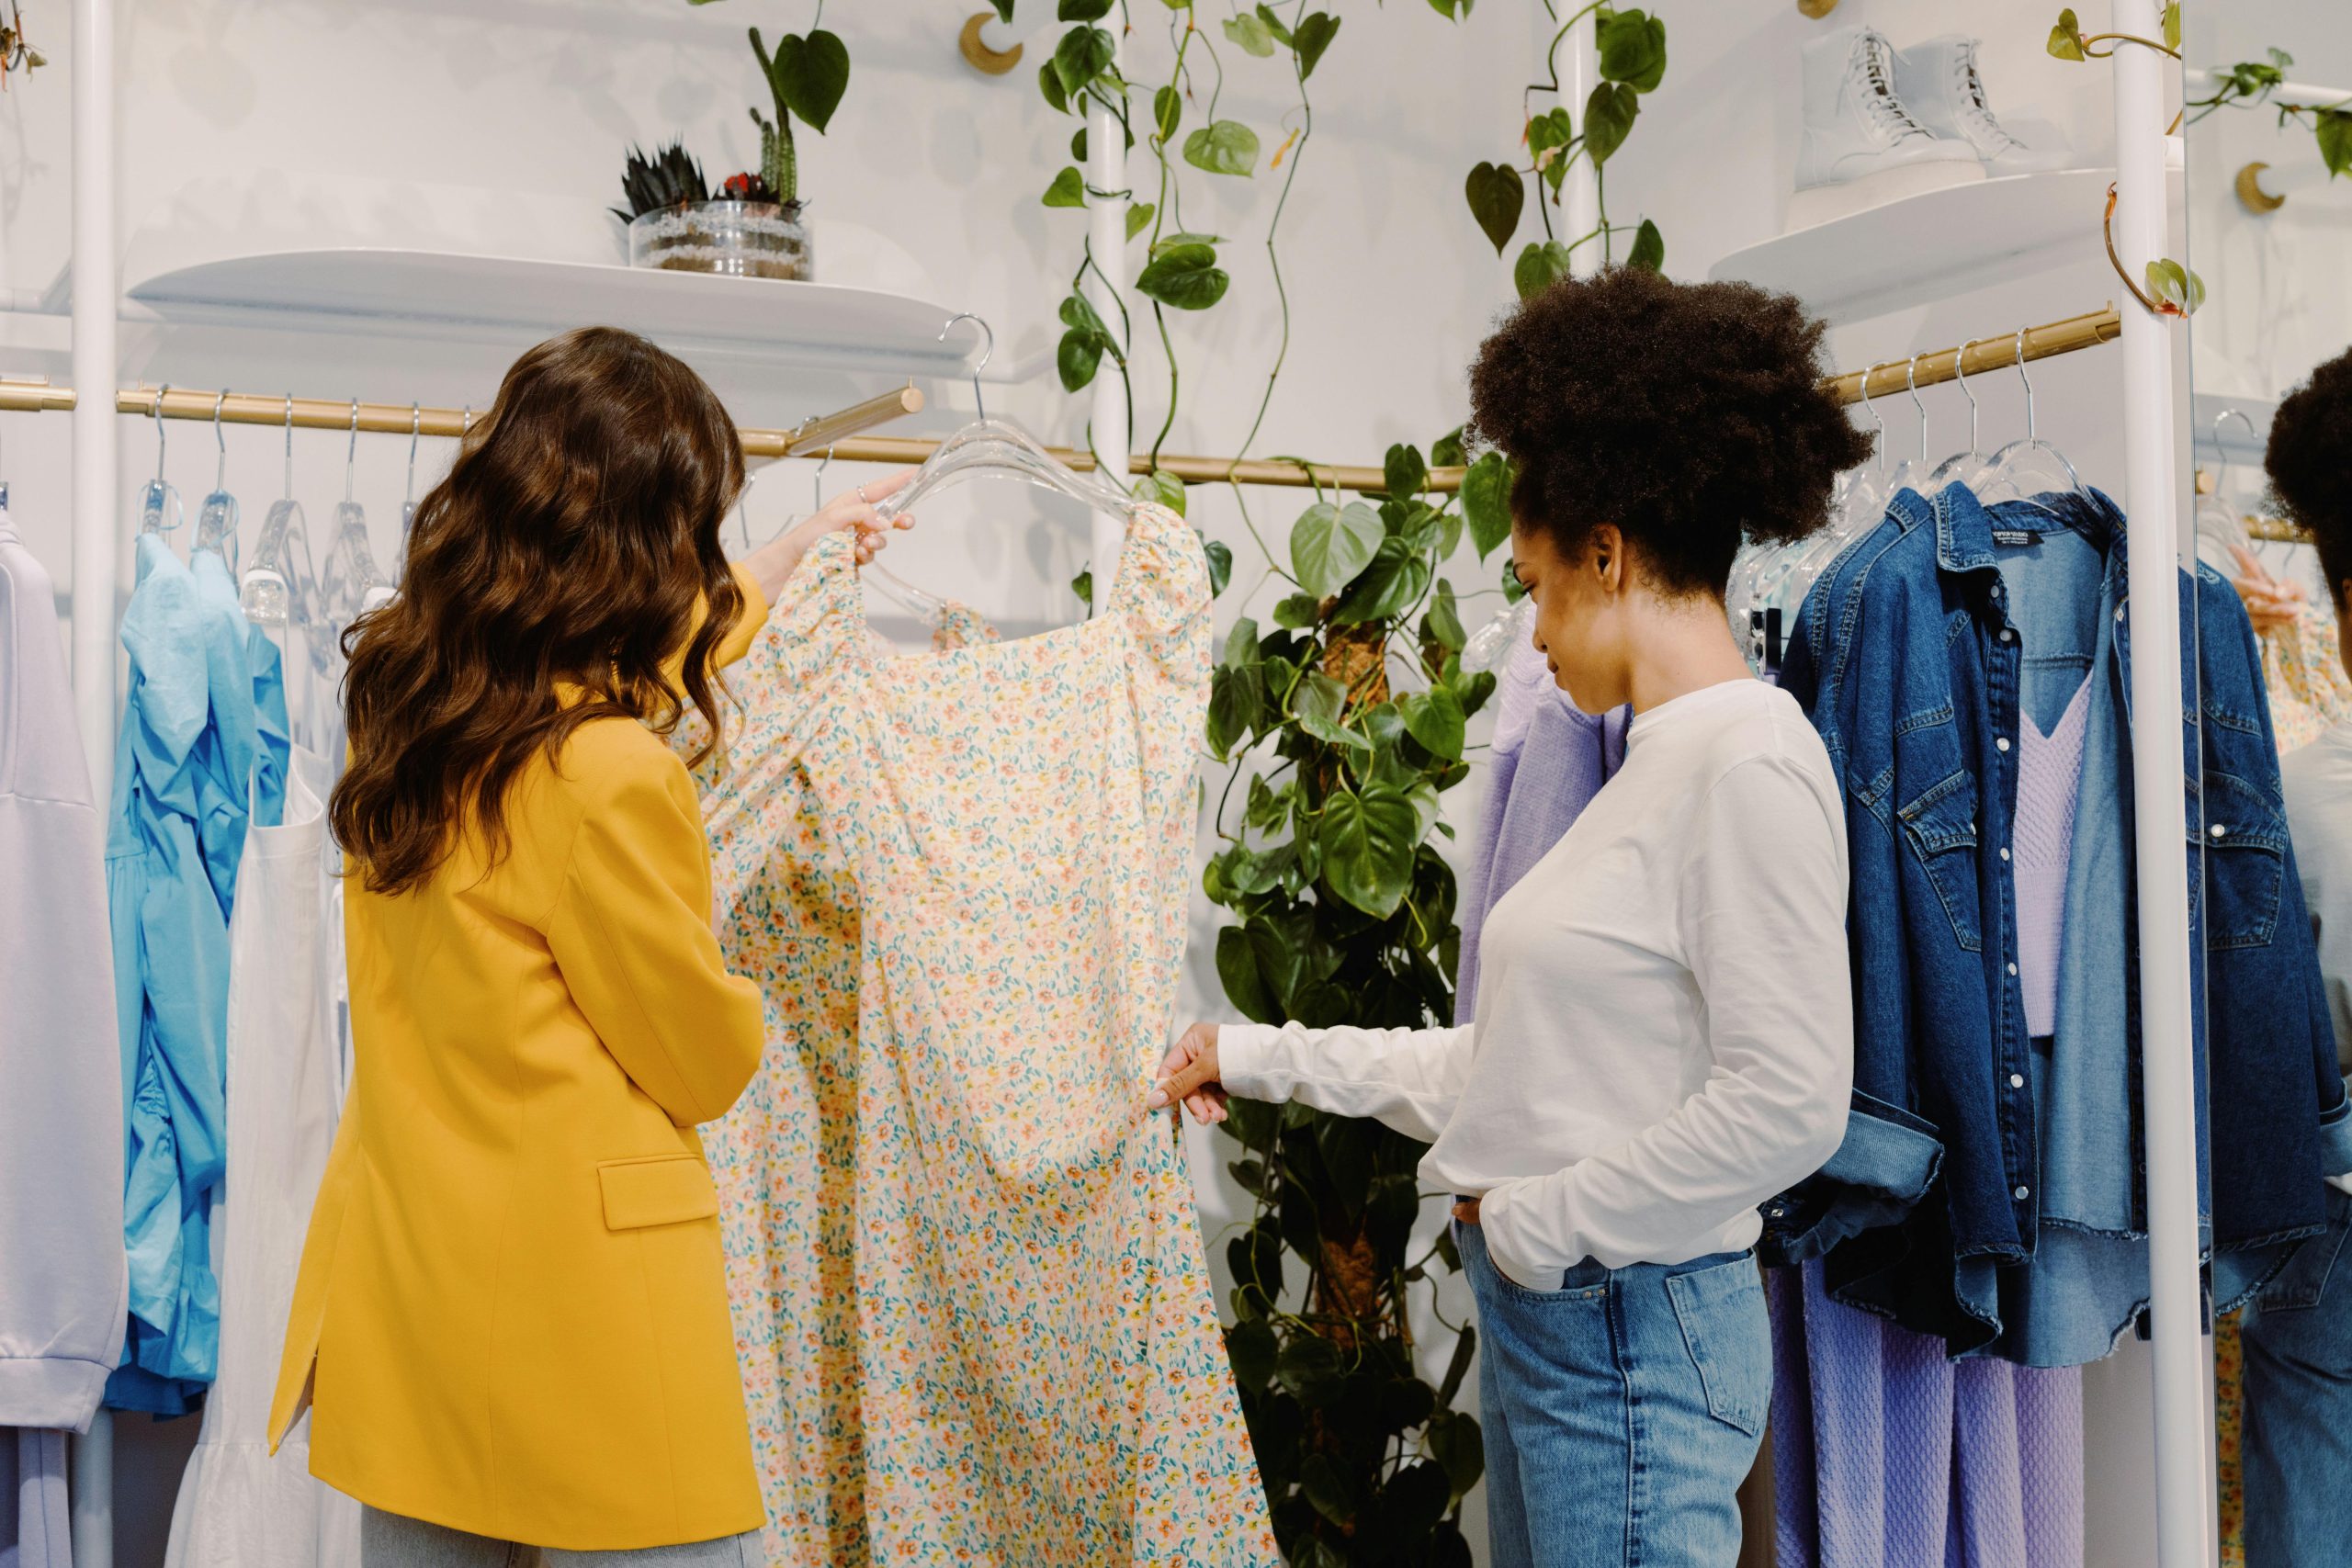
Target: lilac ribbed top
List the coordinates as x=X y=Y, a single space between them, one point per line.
x=2050 y=780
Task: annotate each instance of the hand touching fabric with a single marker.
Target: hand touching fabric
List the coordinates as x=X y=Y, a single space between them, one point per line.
x=1189 y=1073
x=773 y=562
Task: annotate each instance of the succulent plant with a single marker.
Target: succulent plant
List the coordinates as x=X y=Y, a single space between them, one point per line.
x=670 y=178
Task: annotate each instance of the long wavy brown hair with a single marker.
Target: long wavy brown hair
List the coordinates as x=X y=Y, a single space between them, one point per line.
x=575 y=541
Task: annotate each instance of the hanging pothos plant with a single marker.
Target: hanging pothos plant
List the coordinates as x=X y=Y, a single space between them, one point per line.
x=1345 y=722
x=1341 y=727
x=16 y=53
x=1631 y=51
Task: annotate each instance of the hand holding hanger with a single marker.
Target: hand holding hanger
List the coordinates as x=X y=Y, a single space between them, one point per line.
x=771 y=564
x=2272 y=605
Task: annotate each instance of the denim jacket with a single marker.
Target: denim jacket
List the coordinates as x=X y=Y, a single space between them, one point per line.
x=1916 y=659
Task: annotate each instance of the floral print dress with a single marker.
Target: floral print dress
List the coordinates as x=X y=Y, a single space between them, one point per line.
x=970 y=1299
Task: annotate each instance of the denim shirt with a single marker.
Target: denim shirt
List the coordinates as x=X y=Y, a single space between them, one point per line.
x=1916 y=657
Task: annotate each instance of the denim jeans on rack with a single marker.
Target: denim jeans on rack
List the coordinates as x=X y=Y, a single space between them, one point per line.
x=1621 y=1411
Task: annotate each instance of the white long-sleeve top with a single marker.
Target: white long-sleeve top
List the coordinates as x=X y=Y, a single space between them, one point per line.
x=1665 y=1025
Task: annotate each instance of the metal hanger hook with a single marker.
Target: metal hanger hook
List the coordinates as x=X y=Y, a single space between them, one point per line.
x=161 y=393
x=816 y=480
x=1960 y=373
x=2222 y=451
x=221 y=473
x=415 y=429
x=2030 y=433
x=1879 y=442
x=290 y=446
x=351 y=453
x=988 y=352
x=1911 y=385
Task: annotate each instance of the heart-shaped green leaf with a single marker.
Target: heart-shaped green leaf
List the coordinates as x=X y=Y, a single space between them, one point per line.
x=1442 y=625
x=1163 y=487
x=1312 y=36
x=1049 y=83
x=1446 y=450
x=1608 y=118
x=2172 y=24
x=1649 y=248
x=1274 y=24
x=2335 y=130
x=1632 y=49
x=1068 y=189
x=2066 y=37
x=1434 y=718
x=1395 y=577
x=1139 y=218
x=1241 y=645
x=1076 y=359
x=1185 y=278
x=1250 y=1347
x=1223 y=147
x=1082 y=10
x=811 y=75
x=1003 y=9
x=1318 y=698
x=1404 y=471
x=1252 y=35
x=1083 y=54
x=1496 y=195
x=1236 y=969
x=1540 y=267
x=1367 y=841
x=1329 y=545
x=1167 y=110
x=1296 y=611
x=1485 y=501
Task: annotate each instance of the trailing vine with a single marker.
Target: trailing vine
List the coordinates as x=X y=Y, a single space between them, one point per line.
x=1339 y=728
x=1631 y=49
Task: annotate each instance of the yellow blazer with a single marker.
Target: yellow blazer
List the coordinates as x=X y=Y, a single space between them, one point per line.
x=512 y=1314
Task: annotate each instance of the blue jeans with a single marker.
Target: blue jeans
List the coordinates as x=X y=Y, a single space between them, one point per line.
x=2298 y=1432
x=1621 y=1411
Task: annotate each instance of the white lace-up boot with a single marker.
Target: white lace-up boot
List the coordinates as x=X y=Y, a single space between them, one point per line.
x=1862 y=146
x=1939 y=84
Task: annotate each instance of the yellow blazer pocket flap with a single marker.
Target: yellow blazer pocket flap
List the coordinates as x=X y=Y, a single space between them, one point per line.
x=664 y=1189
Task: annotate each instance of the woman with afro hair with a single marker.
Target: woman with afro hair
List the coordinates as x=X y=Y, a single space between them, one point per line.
x=1664 y=1034
x=2297 y=1440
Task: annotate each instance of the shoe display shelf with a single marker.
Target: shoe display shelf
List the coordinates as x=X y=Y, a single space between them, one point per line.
x=1930 y=246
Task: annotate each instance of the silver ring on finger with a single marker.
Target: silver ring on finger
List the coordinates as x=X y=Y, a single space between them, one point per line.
x=861 y=496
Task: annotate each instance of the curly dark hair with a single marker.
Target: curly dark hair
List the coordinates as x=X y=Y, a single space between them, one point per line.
x=1688 y=415
x=2310 y=464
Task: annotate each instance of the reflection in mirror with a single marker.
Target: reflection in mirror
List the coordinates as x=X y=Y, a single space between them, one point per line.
x=2269 y=150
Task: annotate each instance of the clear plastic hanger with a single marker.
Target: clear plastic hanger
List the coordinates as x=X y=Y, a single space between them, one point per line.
x=1960 y=466
x=2030 y=468
x=3 y=486
x=273 y=591
x=1491 y=645
x=159 y=503
x=2218 y=522
x=216 y=520
x=407 y=496
x=888 y=583
x=1001 y=446
x=1911 y=472
x=349 y=584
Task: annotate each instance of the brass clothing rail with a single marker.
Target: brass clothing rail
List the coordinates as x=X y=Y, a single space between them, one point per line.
x=1983 y=353
x=839 y=434
x=403 y=419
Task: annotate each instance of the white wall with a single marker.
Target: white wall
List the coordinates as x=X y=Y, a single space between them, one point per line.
x=354 y=120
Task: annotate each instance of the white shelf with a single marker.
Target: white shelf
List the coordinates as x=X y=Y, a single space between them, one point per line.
x=807 y=323
x=1931 y=245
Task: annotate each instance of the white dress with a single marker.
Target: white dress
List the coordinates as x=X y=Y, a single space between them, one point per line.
x=240 y=1507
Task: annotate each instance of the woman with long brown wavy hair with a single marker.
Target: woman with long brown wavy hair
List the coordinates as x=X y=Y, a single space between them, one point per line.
x=511 y=1322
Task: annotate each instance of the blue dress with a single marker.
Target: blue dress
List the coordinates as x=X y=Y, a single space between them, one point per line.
x=184 y=765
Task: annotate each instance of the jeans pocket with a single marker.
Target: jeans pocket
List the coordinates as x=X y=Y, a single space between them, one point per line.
x=1720 y=1310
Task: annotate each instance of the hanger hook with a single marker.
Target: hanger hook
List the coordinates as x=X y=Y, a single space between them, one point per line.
x=2030 y=431
x=816 y=480
x=1878 y=442
x=988 y=352
x=161 y=393
x=415 y=429
x=351 y=453
x=2222 y=451
x=221 y=473
x=1911 y=385
x=289 y=445
x=1960 y=373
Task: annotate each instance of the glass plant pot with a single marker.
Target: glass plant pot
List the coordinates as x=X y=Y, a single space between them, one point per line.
x=742 y=239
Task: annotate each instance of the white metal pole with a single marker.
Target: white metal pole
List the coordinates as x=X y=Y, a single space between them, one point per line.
x=91 y=1479
x=1106 y=162
x=2184 y=1480
x=1579 y=61
x=94 y=379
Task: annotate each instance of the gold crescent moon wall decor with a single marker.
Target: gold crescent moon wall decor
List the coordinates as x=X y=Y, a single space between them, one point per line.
x=976 y=50
x=1816 y=9
x=2250 y=192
